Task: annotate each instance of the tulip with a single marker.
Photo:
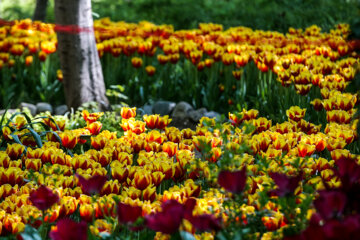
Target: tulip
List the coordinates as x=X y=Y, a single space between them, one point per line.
x=128 y=213
x=286 y=185
x=91 y=117
x=43 y=198
x=42 y=56
x=98 y=142
x=168 y=220
x=59 y=75
x=93 y=185
x=163 y=122
x=14 y=150
x=149 y=193
x=87 y=212
x=295 y=113
x=94 y=128
x=29 y=60
x=68 y=139
x=170 y=148
x=150 y=70
x=330 y=204
x=151 y=120
x=142 y=179
x=127 y=113
x=154 y=136
x=67 y=229
x=233 y=181
x=205 y=222
x=157 y=177
x=120 y=173
x=136 y=62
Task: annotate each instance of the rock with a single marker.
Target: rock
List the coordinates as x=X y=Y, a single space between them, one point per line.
x=181 y=110
x=213 y=114
x=182 y=123
x=43 y=107
x=31 y=107
x=163 y=107
x=144 y=110
x=196 y=115
x=11 y=111
x=61 y=110
x=147 y=110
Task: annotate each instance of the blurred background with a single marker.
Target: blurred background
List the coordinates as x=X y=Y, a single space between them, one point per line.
x=276 y=15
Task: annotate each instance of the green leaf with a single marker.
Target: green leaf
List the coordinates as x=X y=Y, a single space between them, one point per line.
x=36 y=137
x=30 y=233
x=3 y=116
x=16 y=138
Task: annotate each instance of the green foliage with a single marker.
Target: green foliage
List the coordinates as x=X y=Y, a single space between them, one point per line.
x=258 y=14
x=34 y=83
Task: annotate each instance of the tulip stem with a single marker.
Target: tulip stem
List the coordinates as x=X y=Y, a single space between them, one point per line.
x=44 y=226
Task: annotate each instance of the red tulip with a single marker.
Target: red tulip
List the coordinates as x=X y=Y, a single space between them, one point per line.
x=167 y=221
x=330 y=204
x=43 y=198
x=205 y=222
x=67 y=229
x=349 y=172
x=233 y=181
x=286 y=185
x=127 y=213
x=92 y=185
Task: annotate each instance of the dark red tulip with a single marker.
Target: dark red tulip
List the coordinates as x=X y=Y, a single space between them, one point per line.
x=67 y=229
x=313 y=232
x=330 y=204
x=286 y=185
x=127 y=213
x=43 y=198
x=167 y=221
x=349 y=172
x=233 y=181
x=205 y=222
x=189 y=206
x=92 y=185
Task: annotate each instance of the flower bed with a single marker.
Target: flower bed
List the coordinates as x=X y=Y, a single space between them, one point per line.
x=236 y=66
x=287 y=170
x=245 y=177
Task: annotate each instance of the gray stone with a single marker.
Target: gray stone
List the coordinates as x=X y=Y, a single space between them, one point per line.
x=196 y=115
x=144 y=110
x=29 y=106
x=213 y=114
x=163 y=107
x=181 y=110
x=61 y=110
x=43 y=107
x=11 y=111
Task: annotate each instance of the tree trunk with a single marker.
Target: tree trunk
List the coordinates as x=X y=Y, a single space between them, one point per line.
x=83 y=78
x=40 y=10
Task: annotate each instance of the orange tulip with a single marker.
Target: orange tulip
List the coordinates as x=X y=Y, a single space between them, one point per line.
x=14 y=150
x=170 y=148
x=120 y=173
x=91 y=117
x=142 y=179
x=151 y=120
x=94 y=128
x=68 y=139
x=150 y=70
x=163 y=122
x=127 y=113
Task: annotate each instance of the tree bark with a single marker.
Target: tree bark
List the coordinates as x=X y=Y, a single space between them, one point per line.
x=83 y=78
x=40 y=10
